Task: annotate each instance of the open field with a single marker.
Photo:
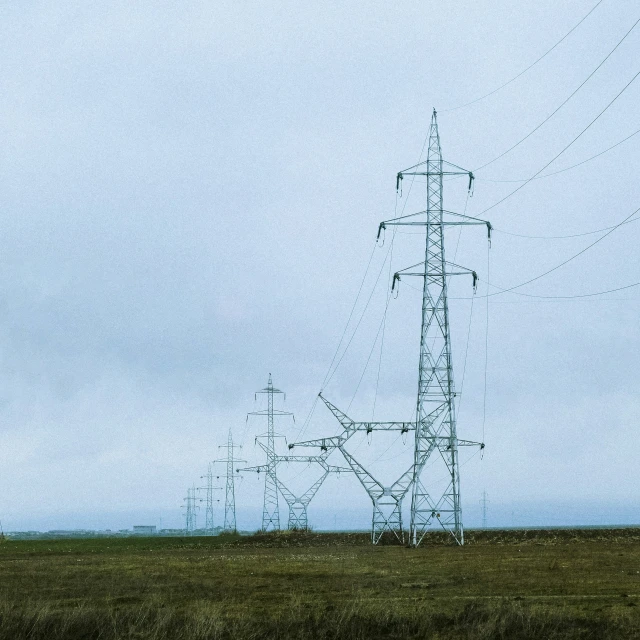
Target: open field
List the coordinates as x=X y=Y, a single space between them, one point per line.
x=510 y=585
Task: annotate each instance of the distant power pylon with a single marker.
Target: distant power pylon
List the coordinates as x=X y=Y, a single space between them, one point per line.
x=210 y=488
x=190 y=508
x=230 y=475
x=298 y=517
x=483 y=503
x=270 y=509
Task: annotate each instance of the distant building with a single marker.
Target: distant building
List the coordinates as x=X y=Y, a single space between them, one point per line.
x=144 y=529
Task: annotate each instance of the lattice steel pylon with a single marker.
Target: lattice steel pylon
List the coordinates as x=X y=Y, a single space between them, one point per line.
x=386 y=499
x=298 y=517
x=210 y=488
x=230 y=493
x=484 y=501
x=270 y=509
x=435 y=408
x=190 y=508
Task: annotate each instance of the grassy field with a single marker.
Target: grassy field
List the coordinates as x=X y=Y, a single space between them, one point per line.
x=510 y=585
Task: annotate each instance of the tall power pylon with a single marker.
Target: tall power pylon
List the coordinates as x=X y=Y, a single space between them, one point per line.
x=270 y=509
x=210 y=489
x=484 y=501
x=435 y=424
x=230 y=494
x=435 y=408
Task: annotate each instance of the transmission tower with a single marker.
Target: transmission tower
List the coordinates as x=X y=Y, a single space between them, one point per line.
x=435 y=425
x=298 y=504
x=230 y=495
x=270 y=509
x=190 y=508
x=210 y=488
x=386 y=499
x=483 y=503
x=435 y=407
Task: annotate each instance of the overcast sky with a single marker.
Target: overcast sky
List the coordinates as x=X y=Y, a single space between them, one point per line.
x=190 y=197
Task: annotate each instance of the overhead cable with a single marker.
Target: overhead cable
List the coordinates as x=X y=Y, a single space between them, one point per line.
x=564 y=262
x=572 y=235
x=583 y=295
x=524 y=184
x=544 y=55
x=553 y=113
x=573 y=166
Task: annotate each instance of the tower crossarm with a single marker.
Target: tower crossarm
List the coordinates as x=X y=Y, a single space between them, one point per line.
x=275 y=412
x=445 y=443
x=350 y=426
x=325 y=444
x=384 y=426
x=469 y=443
x=408 y=221
x=430 y=170
x=261 y=468
x=309 y=459
x=340 y=416
x=331 y=468
x=422 y=272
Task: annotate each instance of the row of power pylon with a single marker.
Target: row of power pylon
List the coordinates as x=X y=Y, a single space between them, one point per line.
x=273 y=485
x=434 y=505
x=210 y=489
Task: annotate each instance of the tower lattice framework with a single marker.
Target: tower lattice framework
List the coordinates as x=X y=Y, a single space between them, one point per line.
x=230 y=475
x=210 y=489
x=299 y=503
x=270 y=508
x=191 y=508
x=433 y=502
x=436 y=438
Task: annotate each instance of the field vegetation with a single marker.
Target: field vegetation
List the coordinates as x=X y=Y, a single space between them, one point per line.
x=512 y=585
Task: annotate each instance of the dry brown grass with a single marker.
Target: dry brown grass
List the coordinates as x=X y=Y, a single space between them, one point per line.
x=508 y=585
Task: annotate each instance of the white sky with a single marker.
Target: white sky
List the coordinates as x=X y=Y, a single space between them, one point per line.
x=191 y=192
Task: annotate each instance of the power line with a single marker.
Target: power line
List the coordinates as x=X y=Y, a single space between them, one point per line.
x=373 y=346
x=583 y=295
x=573 y=235
x=486 y=348
x=344 y=333
x=553 y=113
x=544 y=55
x=563 y=150
x=388 y=254
x=366 y=306
x=573 y=166
x=564 y=262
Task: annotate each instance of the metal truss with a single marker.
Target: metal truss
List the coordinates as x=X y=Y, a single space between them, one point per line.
x=387 y=500
x=298 y=504
x=270 y=509
x=210 y=488
x=191 y=509
x=230 y=494
x=436 y=437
